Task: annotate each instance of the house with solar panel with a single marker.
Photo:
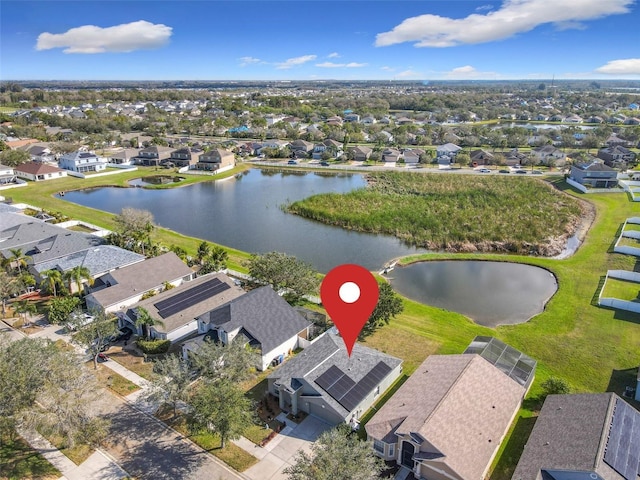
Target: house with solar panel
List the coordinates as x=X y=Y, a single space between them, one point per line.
x=325 y=382
x=179 y=308
x=260 y=318
x=448 y=420
x=583 y=437
x=82 y=162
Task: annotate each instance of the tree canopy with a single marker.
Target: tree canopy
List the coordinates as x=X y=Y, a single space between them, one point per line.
x=338 y=454
x=284 y=271
x=389 y=305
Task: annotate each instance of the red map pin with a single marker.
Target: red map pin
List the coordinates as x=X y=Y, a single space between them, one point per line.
x=349 y=293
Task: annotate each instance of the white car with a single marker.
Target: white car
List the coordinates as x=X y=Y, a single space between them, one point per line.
x=484 y=170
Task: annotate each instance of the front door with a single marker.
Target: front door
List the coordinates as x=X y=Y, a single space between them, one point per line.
x=406 y=458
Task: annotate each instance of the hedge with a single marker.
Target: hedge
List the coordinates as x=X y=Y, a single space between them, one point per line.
x=151 y=347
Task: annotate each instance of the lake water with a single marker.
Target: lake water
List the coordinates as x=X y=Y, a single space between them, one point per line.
x=245 y=213
x=490 y=293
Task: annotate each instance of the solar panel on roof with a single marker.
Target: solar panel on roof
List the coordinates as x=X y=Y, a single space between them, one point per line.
x=190 y=297
x=345 y=391
x=622 y=452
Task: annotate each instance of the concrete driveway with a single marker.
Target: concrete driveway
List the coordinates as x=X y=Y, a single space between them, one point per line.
x=279 y=453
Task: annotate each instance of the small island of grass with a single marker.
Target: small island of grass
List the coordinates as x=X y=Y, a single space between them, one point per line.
x=455 y=213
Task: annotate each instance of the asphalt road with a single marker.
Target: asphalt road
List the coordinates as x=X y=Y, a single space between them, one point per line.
x=147 y=449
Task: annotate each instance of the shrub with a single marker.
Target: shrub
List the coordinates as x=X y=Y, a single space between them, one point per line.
x=151 y=347
x=555 y=385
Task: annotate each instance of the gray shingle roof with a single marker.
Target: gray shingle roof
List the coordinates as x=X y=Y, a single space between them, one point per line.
x=570 y=434
x=141 y=277
x=325 y=352
x=98 y=260
x=194 y=311
x=264 y=314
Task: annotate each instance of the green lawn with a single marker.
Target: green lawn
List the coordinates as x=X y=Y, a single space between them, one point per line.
x=629 y=242
x=19 y=462
x=615 y=288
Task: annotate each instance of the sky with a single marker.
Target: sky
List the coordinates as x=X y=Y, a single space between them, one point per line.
x=314 y=40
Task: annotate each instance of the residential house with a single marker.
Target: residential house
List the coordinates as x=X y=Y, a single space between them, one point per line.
x=183 y=157
x=595 y=174
x=446 y=154
x=481 y=157
x=38 y=172
x=125 y=156
x=82 y=162
x=589 y=436
x=179 y=308
x=7 y=175
x=352 y=117
x=632 y=121
x=40 y=153
x=324 y=381
x=447 y=421
x=615 y=140
x=514 y=158
x=121 y=288
x=301 y=147
x=153 y=156
x=390 y=155
x=261 y=318
x=368 y=120
x=215 y=160
x=99 y=261
x=549 y=155
x=361 y=153
x=617 y=156
x=574 y=119
x=412 y=157
x=330 y=146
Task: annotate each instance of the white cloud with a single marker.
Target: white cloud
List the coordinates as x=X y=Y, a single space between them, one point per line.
x=468 y=72
x=126 y=37
x=388 y=69
x=483 y=8
x=408 y=74
x=627 y=66
x=292 y=62
x=244 y=61
x=333 y=55
x=515 y=16
x=340 y=65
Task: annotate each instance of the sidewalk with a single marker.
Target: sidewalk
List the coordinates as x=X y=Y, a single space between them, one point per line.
x=126 y=373
x=99 y=466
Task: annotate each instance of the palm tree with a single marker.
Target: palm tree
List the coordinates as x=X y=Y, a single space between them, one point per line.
x=9 y=285
x=77 y=275
x=25 y=307
x=20 y=258
x=145 y=320
x=52 y=278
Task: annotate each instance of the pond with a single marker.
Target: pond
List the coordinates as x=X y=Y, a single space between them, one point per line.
x=246 y=213
x=490 y=293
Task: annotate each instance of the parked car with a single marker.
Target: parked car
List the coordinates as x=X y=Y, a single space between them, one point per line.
x=504 y=171
x=536 y=172
x=324 y=164
x=78 y=320
x=484 y=170
x=521 y=172
x=102 y=357
x=292 y=162
x=123 y=335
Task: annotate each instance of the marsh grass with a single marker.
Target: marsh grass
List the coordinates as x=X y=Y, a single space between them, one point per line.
x=452 y=212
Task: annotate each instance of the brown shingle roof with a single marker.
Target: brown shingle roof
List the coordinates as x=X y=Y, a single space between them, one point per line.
x=461 y=404
x=34 y=168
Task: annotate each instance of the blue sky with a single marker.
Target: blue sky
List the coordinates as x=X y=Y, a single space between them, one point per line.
x=307 y=39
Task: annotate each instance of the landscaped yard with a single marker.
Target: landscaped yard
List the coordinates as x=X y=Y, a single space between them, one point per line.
x=624 y=290
x=110 y=379
x=629 y=242
x=19 y=462
x=133 y=361
x=231 y=454
x=77 y=454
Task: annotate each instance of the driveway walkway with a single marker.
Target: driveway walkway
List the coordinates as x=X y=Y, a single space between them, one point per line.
x=279 y=453
x=97 y=467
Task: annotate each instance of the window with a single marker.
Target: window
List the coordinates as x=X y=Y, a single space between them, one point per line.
x=378 y=446
x=392 y=449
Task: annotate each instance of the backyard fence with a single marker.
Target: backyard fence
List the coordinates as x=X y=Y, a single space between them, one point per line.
x=618 y=303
